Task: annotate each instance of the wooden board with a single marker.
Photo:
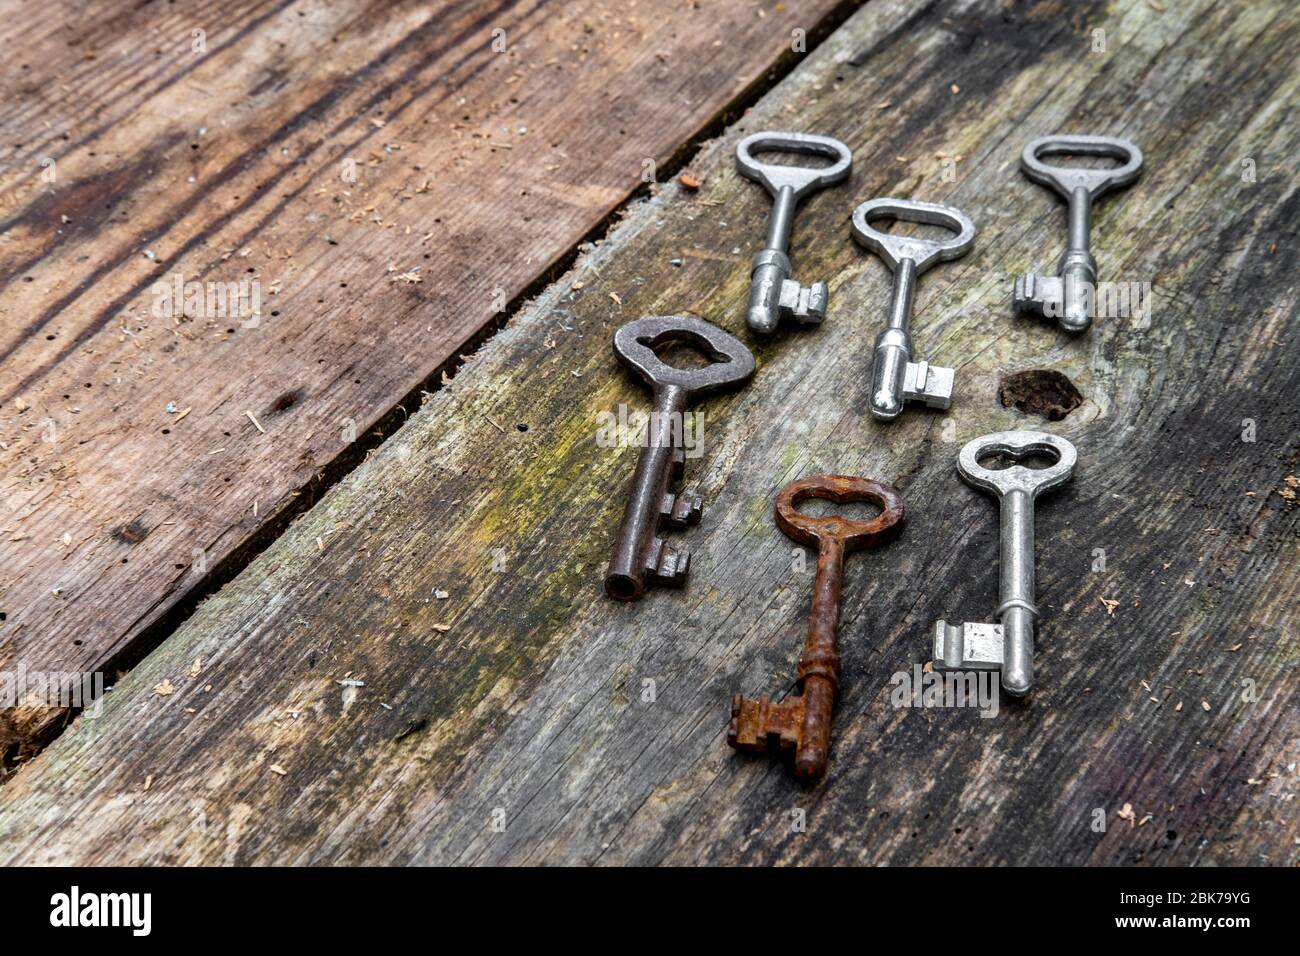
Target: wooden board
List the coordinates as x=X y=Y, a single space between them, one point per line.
x=392 y=176
x=505 y=715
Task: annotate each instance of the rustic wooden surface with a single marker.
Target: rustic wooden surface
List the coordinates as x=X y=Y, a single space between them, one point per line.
x=477 y=171
x=506 y=721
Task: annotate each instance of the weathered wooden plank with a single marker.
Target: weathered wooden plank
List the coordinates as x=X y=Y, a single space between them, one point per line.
x=518 y=698
x=142 y=447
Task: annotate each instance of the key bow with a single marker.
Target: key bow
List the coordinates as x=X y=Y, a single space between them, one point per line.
x=801 y=180
x=812 y=530
x=1066 y=179
x=894 y=249
x=1018 y=445
x=731 y=364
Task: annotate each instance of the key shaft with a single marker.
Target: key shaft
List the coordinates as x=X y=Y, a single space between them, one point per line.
x=638 y=550
x=1078 y=269
x=1016 y=563
x=771 y=293
x=893 y=352
x=819 y=665
x=781 y=220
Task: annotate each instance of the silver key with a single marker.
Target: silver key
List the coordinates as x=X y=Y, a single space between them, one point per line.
x=895 y=378
x=773 y=295
x=1070 y=297
x=1009 y=645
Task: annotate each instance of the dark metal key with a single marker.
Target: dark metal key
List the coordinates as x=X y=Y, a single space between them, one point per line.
x=1070 y=297
x=773 y=295
x=640 y=556
x=802 y=723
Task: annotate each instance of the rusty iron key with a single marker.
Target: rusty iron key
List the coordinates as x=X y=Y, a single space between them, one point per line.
x=640 y=556
x=802 y=723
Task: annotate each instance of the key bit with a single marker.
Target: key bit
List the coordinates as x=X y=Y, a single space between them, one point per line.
x=931 y=384
x=1070 y=297
x=1041 y=295
x=640 y=557
x=967 y=647
x=1009 y=645
x=679 y=511
x=895 y=378
x=805 y=304
x=667 y=565
x=773 y=295
x=758 y=724
x=801 y=725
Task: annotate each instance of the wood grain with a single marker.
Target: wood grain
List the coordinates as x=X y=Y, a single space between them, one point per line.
x=505 y=715
x=144 y=452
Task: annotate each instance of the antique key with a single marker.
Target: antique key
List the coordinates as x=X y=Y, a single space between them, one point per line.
x=1070 y=297
x=773 y=295
x=895 y=378
x=803 y=723
x=1007 y=646
x=640 y=556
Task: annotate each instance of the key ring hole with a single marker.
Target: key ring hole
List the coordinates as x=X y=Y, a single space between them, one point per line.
x=683 y=350
x=815 y=506
x=1074 y=159
x=1035 y=459
x=683 y=354
x=910 y=229
x=794 y=158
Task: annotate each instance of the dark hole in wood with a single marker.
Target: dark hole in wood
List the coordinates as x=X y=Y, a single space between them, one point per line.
x=1041 y=391
x=132 y=533
x=286 y=401
x=412 y=727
